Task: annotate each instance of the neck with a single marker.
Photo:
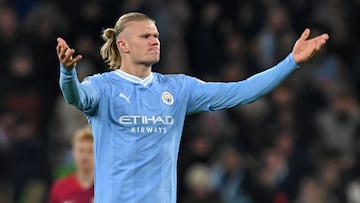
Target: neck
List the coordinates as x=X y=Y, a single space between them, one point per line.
x=85 y=178
x=138 y=70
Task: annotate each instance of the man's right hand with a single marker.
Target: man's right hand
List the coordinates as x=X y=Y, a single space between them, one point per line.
x=65 y=54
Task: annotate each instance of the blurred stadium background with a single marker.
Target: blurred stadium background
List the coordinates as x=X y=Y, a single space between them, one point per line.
x=299 y=144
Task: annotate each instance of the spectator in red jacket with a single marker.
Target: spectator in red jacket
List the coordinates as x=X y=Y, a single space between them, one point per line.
x=79 y=186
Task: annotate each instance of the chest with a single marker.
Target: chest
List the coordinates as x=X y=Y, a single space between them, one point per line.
x=143 y=106
x=134 y=100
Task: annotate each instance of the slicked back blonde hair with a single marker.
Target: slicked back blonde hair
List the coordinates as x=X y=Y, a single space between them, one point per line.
x=83 y=134
x=109 y=51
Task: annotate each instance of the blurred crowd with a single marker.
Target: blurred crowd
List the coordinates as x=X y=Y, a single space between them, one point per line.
x=299 y=144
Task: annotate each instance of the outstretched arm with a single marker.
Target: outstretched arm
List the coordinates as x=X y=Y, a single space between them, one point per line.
x=213 y=96
x=83 y=97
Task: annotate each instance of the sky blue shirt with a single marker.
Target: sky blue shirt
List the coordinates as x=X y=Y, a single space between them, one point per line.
x=137 y=124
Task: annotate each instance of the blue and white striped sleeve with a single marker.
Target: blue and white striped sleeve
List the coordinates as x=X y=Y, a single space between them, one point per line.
x=83 y=96
x=210 y=96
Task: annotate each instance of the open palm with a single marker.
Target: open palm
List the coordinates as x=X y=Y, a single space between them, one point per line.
x=65 y=54
x=305 y=48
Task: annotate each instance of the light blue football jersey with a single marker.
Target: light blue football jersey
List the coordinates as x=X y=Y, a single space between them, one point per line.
x=137 y=124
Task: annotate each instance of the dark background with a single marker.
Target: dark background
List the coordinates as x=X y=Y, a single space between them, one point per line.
x=298 y=144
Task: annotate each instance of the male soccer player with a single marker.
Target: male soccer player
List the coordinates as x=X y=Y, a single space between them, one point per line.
x=137 y=115
x=79 y=186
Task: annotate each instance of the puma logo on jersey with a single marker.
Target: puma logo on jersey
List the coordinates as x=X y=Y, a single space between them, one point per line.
x=127 y=98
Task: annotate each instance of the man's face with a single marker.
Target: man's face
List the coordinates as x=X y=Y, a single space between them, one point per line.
x=83 y=153
x=140 y=40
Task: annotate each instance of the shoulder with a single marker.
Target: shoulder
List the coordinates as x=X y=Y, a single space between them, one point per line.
x=99 y=76
x=98 y=79
x=172 y=77
x=181 y=81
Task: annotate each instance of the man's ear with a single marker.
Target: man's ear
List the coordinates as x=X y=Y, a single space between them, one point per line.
x=122 y=46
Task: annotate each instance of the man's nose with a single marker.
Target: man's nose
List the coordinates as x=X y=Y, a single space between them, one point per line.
x=155 y=41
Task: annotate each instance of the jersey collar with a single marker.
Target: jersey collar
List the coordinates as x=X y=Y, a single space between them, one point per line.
x=134 y=79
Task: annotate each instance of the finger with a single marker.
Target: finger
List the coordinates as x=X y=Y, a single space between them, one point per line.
x=320 y=42
x=322 y=37
x=305 y=35
x=64 y=56
x=61 y=44
x=58 y=48
x=77 y=58
x=69 y=53
x=61 y=41
x=62 y=51
x=73 y=62
x=325 y=36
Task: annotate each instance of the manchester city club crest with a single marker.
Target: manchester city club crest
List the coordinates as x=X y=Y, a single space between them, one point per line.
x=167 y=98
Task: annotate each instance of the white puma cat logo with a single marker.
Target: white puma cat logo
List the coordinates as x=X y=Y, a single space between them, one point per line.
x=127 y=98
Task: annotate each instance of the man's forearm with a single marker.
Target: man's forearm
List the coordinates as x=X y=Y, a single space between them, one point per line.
x=70 y=86
x=264 y=82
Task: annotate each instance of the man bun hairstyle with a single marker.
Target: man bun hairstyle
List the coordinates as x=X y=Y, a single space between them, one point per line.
x=109 y=51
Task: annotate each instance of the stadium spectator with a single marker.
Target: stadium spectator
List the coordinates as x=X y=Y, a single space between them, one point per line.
x=78 y=187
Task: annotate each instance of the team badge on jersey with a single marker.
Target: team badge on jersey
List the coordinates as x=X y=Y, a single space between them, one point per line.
x=167 y=98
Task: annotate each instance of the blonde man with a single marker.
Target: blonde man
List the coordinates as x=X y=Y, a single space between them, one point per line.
x=137 y=115
x=79 y=186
